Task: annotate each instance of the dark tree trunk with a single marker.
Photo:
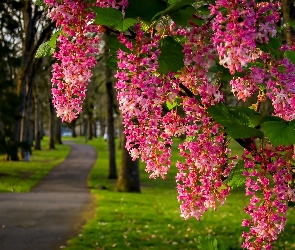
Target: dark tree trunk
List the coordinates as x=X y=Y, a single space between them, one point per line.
x=94 y=129
x=111 y=132
x=110 y=118
x=37 y=126
x=129 y=173
x=286 y=7
x=73 y=128
x=51 y=125
x=89 y=126
x=57 y=131
x=102 y=126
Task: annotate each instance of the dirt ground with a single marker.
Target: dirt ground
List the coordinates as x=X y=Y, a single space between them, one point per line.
x=54 y=211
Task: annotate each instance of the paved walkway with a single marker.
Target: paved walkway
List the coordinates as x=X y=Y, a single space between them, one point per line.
x=54 y=211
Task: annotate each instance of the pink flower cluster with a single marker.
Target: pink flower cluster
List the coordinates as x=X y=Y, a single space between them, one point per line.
x=278 y=83
x=199 y=179
x=237 y=26
x=141 y=94
x=268 y=172
x=78 y=43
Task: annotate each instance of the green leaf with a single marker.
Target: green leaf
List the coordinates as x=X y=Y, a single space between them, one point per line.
x=275 y=43
x=220 y=114
x=176 y=6
x=269 y=118
x=279 y=133
x=114 y=45
x=145 y=9
x=238 y=131
x=236 y=178
x=254 y=117
x=263 y=47
x=204 y=10
x=172 y=1
x=171 y=57
x=224 y=73
x=291 y=24
x=125 y=24
x=290 y=54
x=112 y=62
x=175 y=103
x=44 y=50
x=107 y=16
x=53 y=39
x=40 y=2
x=207 y=243
x=182 y=17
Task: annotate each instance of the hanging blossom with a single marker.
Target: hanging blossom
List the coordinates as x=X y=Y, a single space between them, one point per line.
x=238 y=25
x=141 y=94
x=268 y=172
x=278 y=82
x=78 y=43
x=199 y=179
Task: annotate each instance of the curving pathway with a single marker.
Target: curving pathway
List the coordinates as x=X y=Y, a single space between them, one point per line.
x=54 y=211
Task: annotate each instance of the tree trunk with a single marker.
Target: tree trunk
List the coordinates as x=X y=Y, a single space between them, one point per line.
x=94 y=129
x=73 y=128
x=129 y=180
x=286 y=7
x=51 y=125
x=110 y=118
x=57 y=131
x=89 y=126
x=37 y=126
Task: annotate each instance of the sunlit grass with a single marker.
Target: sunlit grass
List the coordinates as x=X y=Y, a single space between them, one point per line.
x=21 y=176
x=151 y=220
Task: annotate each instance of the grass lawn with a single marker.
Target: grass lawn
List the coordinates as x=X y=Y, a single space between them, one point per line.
x=21 y=176
x=151 y=220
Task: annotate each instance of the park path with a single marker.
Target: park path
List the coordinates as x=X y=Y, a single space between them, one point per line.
x=54 y=211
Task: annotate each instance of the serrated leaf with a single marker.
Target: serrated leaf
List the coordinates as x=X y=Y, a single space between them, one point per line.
x=146 y=10
x=279 y=133
x=107 y=16
x=254 y=117
x=220 y=114
x=236 y=178
x=171 y=57
x=125 y=24
x=182 y=17
x=44 y=50
x=112 y=62
x=237 y=131
x=290 y=54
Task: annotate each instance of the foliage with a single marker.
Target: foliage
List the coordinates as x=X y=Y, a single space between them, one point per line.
x=174 y=61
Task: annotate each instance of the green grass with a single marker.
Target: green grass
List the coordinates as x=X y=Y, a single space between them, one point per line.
x=151 y=220
x=21 y=176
